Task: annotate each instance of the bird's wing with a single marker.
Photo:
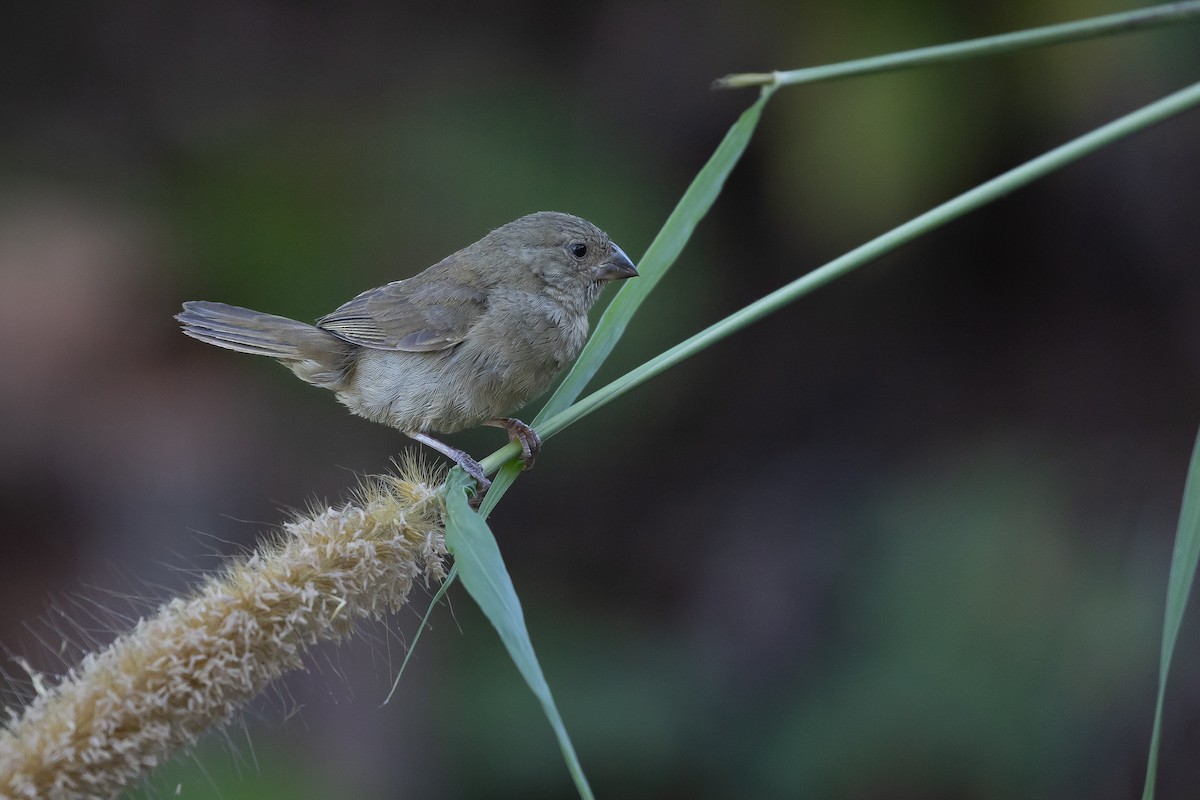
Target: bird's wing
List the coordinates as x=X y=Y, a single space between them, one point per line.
x=417 y=316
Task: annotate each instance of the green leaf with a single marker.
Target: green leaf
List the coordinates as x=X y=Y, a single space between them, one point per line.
x=662 y=253
x=481 y=568
x=936 y=217
x=477 y=556
x=1179 y=586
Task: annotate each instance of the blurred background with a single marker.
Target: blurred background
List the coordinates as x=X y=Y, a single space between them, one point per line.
x=907 y=538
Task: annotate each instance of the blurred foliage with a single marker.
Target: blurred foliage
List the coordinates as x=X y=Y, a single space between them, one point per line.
x=220 y=769
x=295 y=215
x=907 y=538
x=951 y=659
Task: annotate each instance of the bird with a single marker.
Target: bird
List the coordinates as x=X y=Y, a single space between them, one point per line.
x=466 y=342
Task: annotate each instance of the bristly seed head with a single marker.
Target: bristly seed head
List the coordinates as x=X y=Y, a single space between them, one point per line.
x=196 y=663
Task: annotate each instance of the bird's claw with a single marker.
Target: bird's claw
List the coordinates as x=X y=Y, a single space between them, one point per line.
x=522 y=434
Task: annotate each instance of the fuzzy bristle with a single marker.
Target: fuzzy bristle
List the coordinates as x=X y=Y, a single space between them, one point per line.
x=195 y=664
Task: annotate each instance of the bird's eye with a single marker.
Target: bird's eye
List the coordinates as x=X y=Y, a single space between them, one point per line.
x=579 y=249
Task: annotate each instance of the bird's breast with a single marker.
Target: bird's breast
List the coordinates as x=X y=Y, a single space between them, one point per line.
x=510 y=356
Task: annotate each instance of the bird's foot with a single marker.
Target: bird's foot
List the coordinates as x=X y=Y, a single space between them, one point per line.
x=522 y=434
x=460 y=457
x=475 y=470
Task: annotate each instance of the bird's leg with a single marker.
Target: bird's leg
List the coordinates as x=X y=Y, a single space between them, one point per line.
x=459 y=457
x=521 y=433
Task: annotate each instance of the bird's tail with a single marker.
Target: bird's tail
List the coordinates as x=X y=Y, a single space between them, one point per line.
x=247 y=331
x=315 y=355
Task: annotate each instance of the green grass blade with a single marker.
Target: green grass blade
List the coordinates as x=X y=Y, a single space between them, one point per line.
x=968 y=201
x=1125 y=22
x=659 y=257
x=482 y=571
x=467 y=535
x=1179 y=587
x=451 y=576
x=662 y=253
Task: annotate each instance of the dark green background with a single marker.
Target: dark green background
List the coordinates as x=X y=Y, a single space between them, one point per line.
x=907 y=538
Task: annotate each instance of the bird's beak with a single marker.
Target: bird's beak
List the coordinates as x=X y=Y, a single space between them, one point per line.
x=617 y=267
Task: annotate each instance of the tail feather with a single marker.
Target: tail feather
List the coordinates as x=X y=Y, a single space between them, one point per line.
x=254 y=332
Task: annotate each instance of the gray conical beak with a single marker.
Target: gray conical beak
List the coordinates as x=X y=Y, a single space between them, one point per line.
x=617 y=267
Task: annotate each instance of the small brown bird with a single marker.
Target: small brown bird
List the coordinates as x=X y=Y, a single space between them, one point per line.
x=466 y=342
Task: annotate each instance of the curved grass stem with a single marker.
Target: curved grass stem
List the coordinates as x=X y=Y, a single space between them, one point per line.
x=1126 y=22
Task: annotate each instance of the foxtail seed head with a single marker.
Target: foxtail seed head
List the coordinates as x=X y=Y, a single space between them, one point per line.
x=200 y=659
